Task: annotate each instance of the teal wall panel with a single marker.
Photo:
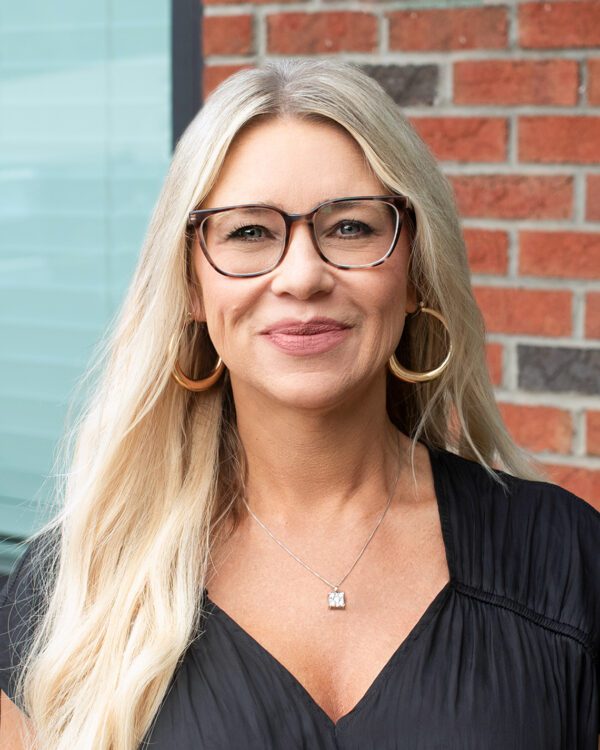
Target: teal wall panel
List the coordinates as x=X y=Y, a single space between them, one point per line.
x=85 y=141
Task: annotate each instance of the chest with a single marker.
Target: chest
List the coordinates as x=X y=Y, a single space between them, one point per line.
x=452 y=686
x=337 y=662
x=335 y=655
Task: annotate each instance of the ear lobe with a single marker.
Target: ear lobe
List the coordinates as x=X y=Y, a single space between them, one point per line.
x=411 y=298
x=196 y=306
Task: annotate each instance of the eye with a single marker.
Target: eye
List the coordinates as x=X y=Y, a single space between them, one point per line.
x=248 y=232
x=353 y=228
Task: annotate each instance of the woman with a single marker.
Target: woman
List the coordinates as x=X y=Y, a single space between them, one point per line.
x=266 y=541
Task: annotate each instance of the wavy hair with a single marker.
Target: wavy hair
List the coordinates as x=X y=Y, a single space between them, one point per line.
x=130 y=543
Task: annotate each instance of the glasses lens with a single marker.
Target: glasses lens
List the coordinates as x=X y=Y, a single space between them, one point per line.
x=356 y=233
x=244 y=240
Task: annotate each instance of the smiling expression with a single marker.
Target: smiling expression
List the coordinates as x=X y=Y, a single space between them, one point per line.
x=307 y=333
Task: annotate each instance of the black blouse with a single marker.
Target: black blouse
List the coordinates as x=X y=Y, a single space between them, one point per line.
x=506 y=656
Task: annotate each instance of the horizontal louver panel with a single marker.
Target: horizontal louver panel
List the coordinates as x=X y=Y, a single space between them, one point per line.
x=85 y=140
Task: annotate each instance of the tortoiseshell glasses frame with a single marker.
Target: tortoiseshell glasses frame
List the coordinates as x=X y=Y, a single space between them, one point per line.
x=399 y=203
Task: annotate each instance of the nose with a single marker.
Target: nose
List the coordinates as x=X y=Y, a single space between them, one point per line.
x=302 y=273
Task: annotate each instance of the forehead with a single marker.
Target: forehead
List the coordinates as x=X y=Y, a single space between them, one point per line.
x=293 y=164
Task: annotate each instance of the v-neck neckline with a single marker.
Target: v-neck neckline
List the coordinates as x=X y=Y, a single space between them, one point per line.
x=424 y=620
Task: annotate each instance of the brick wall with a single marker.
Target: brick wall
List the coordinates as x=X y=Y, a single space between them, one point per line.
x=507 y=95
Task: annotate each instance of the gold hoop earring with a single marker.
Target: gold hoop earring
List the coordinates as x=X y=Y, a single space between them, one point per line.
x=410 y=376
x=195 y=385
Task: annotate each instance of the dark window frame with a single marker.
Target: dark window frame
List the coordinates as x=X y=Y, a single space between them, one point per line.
x=186 y=64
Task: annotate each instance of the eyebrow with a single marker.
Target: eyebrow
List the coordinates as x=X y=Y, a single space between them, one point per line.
x=280 y=206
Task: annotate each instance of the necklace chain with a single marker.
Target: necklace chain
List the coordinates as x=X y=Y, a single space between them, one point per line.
x=335 y=587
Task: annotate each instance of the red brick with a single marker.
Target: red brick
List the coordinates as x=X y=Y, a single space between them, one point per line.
x=213 y=75
x=513 y=196
x=487 y=250
x=538 y=428
x=316 y=33
x=530 y=311
x=562 y=254
x=592 y=431
x=592 y=315
x=559 y=139
x=464 y=138
x=593 y=197
x=565 y=24
x=516 y=82
x=494 y=353
x=459 y=28
x=583 y=482
x=593 y=93
x=227 y=35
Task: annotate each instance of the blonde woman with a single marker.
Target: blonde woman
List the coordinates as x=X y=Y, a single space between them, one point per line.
x=292 y=516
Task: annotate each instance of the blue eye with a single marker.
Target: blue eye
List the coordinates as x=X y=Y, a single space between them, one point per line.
x=235 y=233
x=357 y=225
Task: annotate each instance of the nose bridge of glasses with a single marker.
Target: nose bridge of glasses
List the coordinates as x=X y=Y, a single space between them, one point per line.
x=293 y=220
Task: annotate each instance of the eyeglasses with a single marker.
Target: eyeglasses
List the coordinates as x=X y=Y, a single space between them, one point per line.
x=252 y=239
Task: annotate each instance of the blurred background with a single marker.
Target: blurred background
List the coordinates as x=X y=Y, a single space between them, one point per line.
x=93 y=97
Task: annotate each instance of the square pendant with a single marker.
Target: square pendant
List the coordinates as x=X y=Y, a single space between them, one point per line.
x=336 y=600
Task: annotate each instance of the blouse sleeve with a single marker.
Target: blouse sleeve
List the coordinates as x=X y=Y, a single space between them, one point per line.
x=21 y=603
x=589 y=565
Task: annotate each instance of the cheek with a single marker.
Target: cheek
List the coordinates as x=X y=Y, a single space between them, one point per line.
x=210 y=287
x=390 y=300
x=392 y=319
x=392 y=282
x=225 y=302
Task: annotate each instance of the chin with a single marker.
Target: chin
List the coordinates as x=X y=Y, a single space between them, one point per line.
x=311 y=391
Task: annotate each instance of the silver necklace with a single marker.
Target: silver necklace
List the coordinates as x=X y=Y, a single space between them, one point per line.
x=336 y=599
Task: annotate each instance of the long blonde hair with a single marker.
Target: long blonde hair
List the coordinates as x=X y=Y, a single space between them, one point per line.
x=150 y=471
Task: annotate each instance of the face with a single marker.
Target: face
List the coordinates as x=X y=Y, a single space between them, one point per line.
x=262 y=326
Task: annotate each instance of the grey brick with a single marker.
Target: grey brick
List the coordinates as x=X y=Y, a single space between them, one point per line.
x=406 y=84
x=550 y=368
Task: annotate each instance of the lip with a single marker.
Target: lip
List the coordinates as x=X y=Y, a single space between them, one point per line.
x=313 y=326
x=306 y=337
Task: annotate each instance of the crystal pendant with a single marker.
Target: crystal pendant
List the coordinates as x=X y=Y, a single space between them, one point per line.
x=336 y=599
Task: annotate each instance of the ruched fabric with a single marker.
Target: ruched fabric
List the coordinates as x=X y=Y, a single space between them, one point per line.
x=505 y=657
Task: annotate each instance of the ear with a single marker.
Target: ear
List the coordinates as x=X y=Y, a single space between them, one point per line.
x=196 y=305
x=411 y=297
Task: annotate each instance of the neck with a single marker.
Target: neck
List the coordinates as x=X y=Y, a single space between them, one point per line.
x=307 y=466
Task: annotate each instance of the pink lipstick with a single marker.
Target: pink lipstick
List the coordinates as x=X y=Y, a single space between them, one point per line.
x=313 y=336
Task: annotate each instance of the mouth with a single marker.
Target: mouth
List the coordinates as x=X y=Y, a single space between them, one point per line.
x=312 y=327
x=313 y=336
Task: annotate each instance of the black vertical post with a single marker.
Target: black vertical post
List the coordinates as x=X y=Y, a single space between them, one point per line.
x=186 y=63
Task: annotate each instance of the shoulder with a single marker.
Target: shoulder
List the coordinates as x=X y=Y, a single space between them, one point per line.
x=31 y=570
x=513 y=496
x=22 y=601
x=532 y=542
